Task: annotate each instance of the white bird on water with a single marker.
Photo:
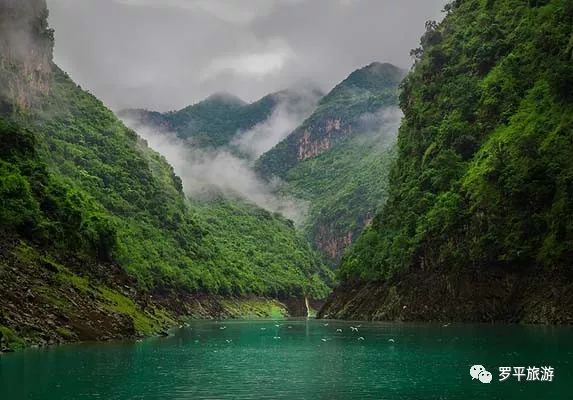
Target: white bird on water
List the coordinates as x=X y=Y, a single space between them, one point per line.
x=339 y=330
x=324 y=340
x=263 y=329
x=223 y=327
x=353 y=329
x=361 y=338
x=326 y=324
x=276 y=337
x=391 y=340
x=228 y=340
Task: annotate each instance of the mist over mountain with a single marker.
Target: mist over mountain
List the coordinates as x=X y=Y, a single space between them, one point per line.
x=214 y=143
x=167 y=54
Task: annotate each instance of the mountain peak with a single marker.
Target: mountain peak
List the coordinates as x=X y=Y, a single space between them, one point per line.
x=226 y=98
x=374 y=76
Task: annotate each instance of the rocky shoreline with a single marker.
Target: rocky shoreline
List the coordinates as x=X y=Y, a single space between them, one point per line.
x=45 y=302
x=473 y=295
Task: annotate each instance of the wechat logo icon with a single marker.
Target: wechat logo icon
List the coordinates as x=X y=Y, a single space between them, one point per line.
x=480 y=373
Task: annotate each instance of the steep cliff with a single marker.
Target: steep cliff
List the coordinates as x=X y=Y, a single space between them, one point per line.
x=96 y=237
x=478 y=221
x=26 y=53
x=338 y=159
x=339 y=116
x=220 y=118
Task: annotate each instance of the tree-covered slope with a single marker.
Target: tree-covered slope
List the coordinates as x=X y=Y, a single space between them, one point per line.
x=215 y=121
x=81 y=194
x=481 y=193
x=339 y=116
x=338 y=159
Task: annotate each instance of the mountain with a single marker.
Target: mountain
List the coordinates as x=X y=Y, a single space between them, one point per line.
x=339 y=115
x=97 y=239
x=478 y=223
x=215 y=121
x=338 y=158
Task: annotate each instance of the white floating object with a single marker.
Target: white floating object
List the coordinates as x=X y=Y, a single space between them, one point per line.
x=360 y=338
x=391 y=340
x=339 y=330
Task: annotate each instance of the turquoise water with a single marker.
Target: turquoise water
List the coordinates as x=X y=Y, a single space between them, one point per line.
x=247 y=360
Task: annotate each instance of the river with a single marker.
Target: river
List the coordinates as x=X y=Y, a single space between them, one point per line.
x=299 y=359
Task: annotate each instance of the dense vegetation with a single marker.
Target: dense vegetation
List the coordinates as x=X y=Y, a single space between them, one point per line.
x=76 y=182
x=483 y=176
x=344 y=182
x=338 y=115
x=345 y=187
x=215 y=121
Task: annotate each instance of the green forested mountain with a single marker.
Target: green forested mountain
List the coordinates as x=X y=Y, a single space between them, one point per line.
x=478 y=221
x=215 y=121
x=89 y=211
x=339 y=115
x=338 y=159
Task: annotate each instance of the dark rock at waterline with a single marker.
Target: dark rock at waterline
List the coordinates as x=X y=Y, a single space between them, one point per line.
x=472 y=295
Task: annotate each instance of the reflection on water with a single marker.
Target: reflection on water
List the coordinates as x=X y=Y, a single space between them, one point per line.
x=297 y=359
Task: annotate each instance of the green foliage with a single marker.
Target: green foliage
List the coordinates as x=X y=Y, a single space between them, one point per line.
x=75 y=180
x=483 y=175
x=11 y=339
x=345 y=187
x=255 y=251
x=214 y=121
x=366 y=90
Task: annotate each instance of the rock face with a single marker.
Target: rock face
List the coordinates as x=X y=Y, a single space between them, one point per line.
x=477 y=226
x=343 y=138
x=68 y=168
x=25 y=52
x=339 y=116
x=480 y=295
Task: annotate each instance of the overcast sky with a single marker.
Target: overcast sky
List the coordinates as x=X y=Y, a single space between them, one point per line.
x=166 y=54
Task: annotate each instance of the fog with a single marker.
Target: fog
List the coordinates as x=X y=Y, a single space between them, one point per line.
x=211 y=172
x=229 y=170
x=287 y=115
x=167 y=54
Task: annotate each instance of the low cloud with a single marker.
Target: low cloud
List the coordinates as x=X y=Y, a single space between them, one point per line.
x=382 y=125
x=254 y=65
x=288 y=115
x=210 y=172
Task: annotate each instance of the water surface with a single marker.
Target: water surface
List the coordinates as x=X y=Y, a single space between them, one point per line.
x=297 y=360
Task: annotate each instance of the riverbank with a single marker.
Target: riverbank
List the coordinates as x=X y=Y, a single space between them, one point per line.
x=473 y=295
x=44 y=302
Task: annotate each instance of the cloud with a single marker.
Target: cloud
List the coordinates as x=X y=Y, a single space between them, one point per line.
x=239 y=12
x=288 y=115
x=251 y=65
x=208 y=172
x=167 y=54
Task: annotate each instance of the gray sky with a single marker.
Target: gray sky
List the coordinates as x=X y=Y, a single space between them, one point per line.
x=166 y=54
